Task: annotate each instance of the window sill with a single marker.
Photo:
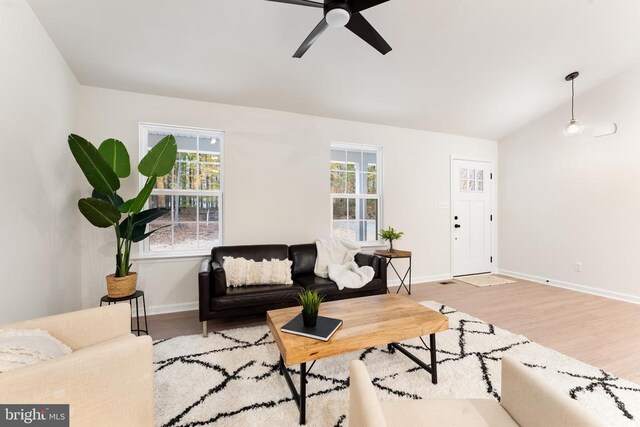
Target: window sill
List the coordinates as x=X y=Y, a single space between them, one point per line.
x=144 y=259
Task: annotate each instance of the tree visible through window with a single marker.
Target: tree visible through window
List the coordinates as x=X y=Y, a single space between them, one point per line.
x=355 y=192
x=192 y=191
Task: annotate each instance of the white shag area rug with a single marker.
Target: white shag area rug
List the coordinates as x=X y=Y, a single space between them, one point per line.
x=483 y=280
x=231 y=378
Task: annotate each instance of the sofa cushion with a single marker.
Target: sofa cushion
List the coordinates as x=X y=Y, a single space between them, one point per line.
x=253 y=252
x=319 y=284
x=256 y=296
x=303 y=257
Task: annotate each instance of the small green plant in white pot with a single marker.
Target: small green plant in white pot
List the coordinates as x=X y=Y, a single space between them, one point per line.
x=390 y=234
x=310 y=302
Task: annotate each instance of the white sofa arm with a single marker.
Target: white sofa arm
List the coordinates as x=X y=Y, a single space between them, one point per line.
x=108 y=384
x=364 y=406
x=83 y=328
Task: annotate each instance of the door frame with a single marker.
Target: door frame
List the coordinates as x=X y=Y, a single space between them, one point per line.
x=494 y=208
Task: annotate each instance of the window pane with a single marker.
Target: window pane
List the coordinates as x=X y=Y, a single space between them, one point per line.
x=371 y=179
x=209 y=235
x=344 y=230
x=186 y=175
x=339 y=209
x=351 y=211
x=185 y=208
x=338 y=160
x=338 y=182
x=480 y=174
x=162 y=239
x=472 y=186
x=185 y=236
x=351 y=183
x=369 y=231
x=372 y=209
x=372 y=168
x=480 y=185
x=209 y=210
x=209 y=149
x=209 y=176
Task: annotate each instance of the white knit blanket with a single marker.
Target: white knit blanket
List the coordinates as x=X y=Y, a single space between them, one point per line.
x=333 y=251
x=335 y=261
x=350 y=275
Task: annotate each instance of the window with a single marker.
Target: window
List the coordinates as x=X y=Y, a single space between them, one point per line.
x=192 y=191
x=355 y=192
x=472 y=180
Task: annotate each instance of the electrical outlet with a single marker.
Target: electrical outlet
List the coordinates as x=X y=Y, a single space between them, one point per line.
x=577 y=266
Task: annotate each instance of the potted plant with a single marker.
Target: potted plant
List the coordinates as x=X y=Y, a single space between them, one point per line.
x=103 y=167
x=310 y=302
x=390 y=234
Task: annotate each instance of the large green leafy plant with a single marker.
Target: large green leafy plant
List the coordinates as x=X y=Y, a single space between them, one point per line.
x=103 y=167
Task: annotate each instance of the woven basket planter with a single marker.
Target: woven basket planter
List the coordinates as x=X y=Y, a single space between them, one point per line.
x=118 y=287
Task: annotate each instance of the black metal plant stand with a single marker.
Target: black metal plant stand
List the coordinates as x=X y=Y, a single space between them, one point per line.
x=109 y=300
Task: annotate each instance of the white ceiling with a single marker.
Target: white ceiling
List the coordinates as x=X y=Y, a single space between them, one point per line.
x=481 y=68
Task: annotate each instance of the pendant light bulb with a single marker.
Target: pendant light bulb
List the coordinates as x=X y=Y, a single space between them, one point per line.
x=572 y=128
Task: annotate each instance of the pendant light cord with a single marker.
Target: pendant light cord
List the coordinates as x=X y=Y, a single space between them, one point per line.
x=573 y=95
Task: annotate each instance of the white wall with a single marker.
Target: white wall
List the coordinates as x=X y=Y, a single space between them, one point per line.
x=277 y=183
x=40 y=257
x=566 y=199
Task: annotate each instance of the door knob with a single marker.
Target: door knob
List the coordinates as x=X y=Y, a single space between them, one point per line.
x=457 y=226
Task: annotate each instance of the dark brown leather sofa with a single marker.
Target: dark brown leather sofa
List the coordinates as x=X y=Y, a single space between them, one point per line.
x=219 y=301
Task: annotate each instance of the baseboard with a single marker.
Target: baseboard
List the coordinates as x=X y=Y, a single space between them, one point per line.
x=418 y=279
x=171 y=308
x=573 y=286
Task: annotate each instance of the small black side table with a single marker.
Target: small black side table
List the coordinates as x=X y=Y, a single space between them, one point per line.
x=397 y=254
x=107 y=299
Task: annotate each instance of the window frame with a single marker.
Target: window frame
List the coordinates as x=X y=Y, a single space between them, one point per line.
x=379 y=196
x=143 y=146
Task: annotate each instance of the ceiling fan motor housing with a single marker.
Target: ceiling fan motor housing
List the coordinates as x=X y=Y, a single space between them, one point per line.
x=337 y=13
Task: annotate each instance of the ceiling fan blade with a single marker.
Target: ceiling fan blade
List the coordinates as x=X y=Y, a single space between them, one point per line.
x=360 y=5
x=363 y=29
x=311 y=39
x=300 y=2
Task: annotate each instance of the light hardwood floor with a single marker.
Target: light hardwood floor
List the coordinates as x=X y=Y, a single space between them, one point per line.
x=599 y=331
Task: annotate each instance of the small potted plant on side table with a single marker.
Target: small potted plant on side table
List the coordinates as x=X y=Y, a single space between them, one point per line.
x=390 y=234
x=310 y=302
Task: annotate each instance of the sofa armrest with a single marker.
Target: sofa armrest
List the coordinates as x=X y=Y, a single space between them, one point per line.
x=107 y=384
x=364 y=406
x=219 y=279
x=374 y=261
x=83 y=328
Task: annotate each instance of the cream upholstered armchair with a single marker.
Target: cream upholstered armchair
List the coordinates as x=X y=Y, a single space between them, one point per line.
x=527 y=401
x=108 y=378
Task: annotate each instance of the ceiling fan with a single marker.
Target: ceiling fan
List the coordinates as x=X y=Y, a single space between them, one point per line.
x=342 y=13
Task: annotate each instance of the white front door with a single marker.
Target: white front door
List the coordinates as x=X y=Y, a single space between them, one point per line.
x=471 y=217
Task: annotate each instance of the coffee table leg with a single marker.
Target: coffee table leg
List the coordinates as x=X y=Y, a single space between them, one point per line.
x=281 y=366
x=434 y=362
x=303 y=392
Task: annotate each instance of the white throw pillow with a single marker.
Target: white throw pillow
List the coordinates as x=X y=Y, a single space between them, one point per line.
x=24 y=347
x=246 y=272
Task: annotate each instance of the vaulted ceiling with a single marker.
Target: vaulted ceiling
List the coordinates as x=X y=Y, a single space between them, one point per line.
x=481 y=68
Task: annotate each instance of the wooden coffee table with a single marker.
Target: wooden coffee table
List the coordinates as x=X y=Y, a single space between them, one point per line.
x=367 y=322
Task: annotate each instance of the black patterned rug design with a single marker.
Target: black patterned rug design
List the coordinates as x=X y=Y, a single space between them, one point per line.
x=231 y=378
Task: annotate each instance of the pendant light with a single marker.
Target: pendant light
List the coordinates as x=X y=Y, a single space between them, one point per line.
x=573 y=127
